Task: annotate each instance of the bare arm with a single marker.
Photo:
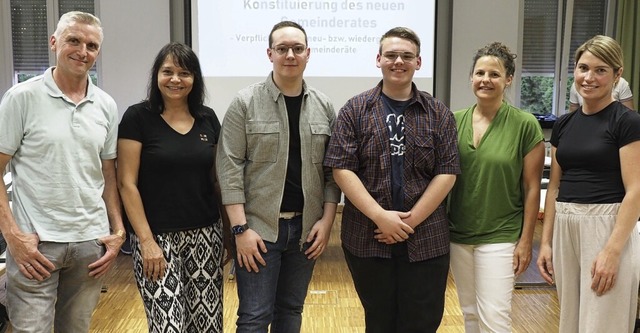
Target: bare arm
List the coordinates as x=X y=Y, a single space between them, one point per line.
x=22 y=246
x=605 y=268
x=110 y=195
x=153 y=261
x=388 y=222
x=545 y=260
x=531 y=177
x=629 y=104
x=111 y=242
x=432 y=197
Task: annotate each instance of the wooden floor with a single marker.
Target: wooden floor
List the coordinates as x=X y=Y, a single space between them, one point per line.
x=332 y=305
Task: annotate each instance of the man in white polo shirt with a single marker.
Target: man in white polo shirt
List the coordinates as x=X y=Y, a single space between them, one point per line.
x=59 y=133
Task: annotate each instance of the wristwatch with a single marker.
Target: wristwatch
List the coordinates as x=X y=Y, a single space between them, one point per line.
x=121 y=233
x=238 y=229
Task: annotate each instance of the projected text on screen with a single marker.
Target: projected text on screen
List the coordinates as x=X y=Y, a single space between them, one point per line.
x=343 y=35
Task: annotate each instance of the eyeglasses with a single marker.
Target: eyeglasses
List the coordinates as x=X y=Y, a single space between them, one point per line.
x=284 y=49
x=405 y=56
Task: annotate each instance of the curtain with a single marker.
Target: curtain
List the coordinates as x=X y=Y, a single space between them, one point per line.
x=628 y=35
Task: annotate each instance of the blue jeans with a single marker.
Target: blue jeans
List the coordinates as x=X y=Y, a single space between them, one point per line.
x=275 y=295
x=70 y=290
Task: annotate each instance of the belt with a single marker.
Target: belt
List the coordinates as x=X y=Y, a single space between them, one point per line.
x=289 y=215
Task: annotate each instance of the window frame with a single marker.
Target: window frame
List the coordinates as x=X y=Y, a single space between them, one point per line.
x=563 y=56
x=10 y=77
x=6 y=53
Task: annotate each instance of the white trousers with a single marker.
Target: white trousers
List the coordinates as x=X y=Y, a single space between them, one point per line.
x=485 y=280
x=580 y=232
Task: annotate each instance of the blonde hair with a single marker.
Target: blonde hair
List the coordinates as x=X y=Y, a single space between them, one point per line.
x=604 y=48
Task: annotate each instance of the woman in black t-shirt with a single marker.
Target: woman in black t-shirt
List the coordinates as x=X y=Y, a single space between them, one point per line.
x=590 y=246
x=166 y=177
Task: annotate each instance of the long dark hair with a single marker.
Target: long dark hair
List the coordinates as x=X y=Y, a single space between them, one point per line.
x=183 y=56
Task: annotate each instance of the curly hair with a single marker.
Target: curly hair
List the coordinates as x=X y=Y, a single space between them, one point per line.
x=500 y=51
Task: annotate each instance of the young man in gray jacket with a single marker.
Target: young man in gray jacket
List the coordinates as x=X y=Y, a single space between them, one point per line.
x=280 y=200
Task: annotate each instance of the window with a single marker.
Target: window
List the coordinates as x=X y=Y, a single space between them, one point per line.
x=553 y=30
x=32 y=23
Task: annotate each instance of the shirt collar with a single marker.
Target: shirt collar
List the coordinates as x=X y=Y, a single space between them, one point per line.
x=416 y=96
x=54 y=90
x=275 y=92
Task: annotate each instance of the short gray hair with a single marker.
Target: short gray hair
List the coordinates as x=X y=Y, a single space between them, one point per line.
x=77 y=17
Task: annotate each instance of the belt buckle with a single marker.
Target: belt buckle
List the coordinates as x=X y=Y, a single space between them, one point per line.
x=289 y=215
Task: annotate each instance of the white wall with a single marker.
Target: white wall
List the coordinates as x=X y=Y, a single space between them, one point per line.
x=474 y=25
x=134 y=32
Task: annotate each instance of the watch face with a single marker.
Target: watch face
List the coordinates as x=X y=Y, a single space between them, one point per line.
x=238 y=229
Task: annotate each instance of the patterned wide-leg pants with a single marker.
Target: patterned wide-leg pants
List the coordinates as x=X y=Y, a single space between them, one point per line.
x=188 y=298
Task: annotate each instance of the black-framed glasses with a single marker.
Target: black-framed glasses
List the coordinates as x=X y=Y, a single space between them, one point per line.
x=284 y=49
x=405 y=56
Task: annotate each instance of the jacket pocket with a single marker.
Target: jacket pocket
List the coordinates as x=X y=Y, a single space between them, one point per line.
x=320 y=134
x=263 y=141
x=425 y=153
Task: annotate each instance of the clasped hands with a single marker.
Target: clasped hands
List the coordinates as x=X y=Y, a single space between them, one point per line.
x=393 y=227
